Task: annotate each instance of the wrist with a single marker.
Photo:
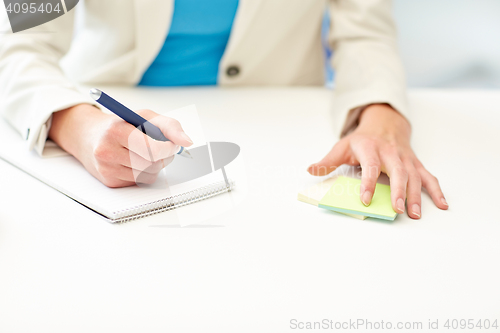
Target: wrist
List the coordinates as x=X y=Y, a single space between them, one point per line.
x=69 y=126
x=383 y=116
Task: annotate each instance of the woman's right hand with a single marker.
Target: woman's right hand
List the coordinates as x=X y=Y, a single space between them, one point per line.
x=111 y=149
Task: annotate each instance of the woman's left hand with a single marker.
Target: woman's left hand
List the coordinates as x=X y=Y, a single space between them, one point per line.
x=381 y=143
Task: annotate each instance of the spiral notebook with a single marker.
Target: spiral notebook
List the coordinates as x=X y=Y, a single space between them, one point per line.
x=65 y=174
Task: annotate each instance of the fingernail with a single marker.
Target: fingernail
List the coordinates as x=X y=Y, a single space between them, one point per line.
x=185 y=137
x=400 y=205
x=309 y=169
x=416 y=210
x=366 y=198
x=443 y=200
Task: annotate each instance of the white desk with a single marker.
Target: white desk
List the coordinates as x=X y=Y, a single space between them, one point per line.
x=271 y=259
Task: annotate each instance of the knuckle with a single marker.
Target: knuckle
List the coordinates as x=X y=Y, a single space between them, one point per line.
x=393 y=150
x=101 y=152
x=372 y=163
x=401 y=171
x=418 y=165
x=163 y=150
x=138 y=164
x=413 y=174
x=172 y=122
x=107 y=178
x=404 y=174
x=151 y=167
x=156 y=152
x=155 y=167
x=370 y=176
x=429 y=178
x=371 y=144
x=113 y=130
x=369 y=187
x=145 y=112
x=409 y=157
x=105 y=172
x=416 y=179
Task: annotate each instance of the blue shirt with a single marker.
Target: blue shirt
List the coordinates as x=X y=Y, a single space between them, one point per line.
x=197 y=39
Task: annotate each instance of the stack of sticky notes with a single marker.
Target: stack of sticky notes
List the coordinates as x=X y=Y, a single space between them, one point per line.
x=342 y=195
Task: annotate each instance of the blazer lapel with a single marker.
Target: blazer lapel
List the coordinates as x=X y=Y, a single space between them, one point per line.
x=247 y=10
x=153 y=18
x=242 y=28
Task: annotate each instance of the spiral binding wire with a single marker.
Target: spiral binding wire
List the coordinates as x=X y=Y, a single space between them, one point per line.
x=170 y=203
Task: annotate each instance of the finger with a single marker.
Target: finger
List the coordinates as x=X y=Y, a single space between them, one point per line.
x=155 y=167
x=132 y=175
x=370 y=166
x=413 y=191
x=398 y=179
x=144 y=177
x=135 y=161
x=150 y=175
x=116 y=183
x=337 y=156
x=107 y=176
x=113 y=175
x=123 y=156
x=431 y=184
x=170 y=127
x=148 y=148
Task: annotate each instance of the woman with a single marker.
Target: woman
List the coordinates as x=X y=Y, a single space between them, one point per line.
x=272 y=42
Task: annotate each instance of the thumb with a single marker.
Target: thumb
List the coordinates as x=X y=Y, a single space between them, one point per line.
x=334 y=159
x=170 y=128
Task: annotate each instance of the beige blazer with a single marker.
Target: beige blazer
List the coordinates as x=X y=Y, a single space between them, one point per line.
x=272 y=42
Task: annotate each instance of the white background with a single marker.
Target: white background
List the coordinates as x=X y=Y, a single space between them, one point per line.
x=450 y=43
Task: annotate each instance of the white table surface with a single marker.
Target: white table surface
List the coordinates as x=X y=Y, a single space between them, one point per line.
x=272 y=258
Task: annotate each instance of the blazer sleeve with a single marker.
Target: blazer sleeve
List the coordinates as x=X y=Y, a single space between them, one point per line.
x=32 y=85
x=365 y=58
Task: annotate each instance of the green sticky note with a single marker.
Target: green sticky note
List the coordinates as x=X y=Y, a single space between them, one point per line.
x=343 y=197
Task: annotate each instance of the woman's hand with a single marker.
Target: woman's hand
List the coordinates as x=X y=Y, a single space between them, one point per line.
x=114 y=151
x=381 y=143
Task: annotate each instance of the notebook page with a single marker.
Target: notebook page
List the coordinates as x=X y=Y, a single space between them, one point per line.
x=68 y=176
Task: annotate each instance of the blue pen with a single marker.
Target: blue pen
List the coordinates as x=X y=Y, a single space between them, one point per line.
x=133 y=118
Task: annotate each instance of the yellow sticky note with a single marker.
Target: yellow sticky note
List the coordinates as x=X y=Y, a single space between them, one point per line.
x=315 y=193
x=343 y=197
